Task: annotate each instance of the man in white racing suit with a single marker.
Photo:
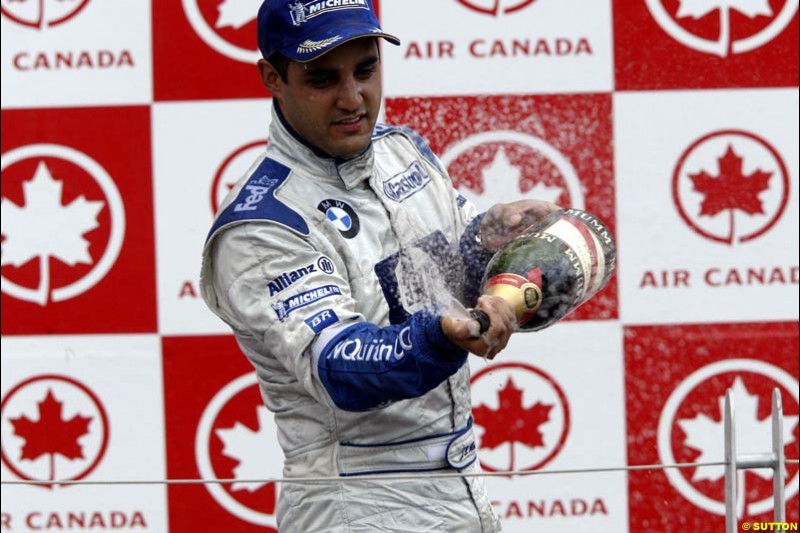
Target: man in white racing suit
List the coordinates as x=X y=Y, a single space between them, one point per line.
x=337 y=261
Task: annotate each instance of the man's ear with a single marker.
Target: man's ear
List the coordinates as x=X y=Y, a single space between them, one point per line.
x=270 y=78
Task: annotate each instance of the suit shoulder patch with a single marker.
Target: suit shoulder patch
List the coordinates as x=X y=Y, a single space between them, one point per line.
x=256 y=201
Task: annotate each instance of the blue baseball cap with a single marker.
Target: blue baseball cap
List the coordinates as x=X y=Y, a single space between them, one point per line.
x=303 y=31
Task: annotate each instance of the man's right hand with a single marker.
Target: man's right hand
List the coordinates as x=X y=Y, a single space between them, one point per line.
x=464 y=332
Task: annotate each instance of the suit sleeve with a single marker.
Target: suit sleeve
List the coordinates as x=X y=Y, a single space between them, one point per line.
x=273 y=286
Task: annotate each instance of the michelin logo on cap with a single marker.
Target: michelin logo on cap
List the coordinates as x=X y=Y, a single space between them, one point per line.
x=301 y=12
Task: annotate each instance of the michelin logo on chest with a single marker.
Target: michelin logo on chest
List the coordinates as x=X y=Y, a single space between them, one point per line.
x=285 y=280
x=410 y=181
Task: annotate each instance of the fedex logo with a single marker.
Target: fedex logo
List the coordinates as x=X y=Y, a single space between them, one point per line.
x=257 y=188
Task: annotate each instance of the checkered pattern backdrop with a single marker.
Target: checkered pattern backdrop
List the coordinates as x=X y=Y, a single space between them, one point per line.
x=676 y=121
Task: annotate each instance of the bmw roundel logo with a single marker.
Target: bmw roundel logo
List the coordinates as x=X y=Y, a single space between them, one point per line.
x=342 y=216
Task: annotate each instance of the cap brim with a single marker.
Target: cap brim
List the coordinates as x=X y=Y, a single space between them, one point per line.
x=309 y=51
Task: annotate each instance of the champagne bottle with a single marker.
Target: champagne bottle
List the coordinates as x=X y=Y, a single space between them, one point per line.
x=552 y=268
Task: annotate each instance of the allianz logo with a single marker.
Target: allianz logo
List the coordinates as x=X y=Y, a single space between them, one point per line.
x=286 y=279
x=257 y=189
x=403 y=185
x=375 y=350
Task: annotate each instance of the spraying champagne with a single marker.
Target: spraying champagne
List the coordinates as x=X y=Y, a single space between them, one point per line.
x=551 y=269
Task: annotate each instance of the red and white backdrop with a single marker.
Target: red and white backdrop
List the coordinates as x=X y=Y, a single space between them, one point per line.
x=676 y=121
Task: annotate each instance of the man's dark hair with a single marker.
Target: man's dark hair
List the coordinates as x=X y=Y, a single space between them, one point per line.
x=281 y=65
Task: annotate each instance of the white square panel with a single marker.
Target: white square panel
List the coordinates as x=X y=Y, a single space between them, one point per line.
x=199 y=151
x=553 y=400
x=58 y=53
x=454 y=47
x=707 y=205
x=83 y=408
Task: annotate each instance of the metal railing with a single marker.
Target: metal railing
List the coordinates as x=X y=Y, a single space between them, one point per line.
x=734 y=501
x=775 y=459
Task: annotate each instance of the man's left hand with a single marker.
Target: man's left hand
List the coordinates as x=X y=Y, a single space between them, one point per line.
x=503 y=222
x=463 y=332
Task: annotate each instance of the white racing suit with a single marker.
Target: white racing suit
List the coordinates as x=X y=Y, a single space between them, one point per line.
x=332 y=276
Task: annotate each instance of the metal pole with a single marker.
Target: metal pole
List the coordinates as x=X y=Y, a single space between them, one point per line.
x=779 y=466
x=731 y=524
x=776 y=460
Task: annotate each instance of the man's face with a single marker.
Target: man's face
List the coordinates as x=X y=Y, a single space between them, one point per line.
x=333 y=101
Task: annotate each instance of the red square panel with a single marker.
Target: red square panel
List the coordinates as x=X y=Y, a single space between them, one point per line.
x=77 y=230
x=507 y=148
x=217 y=427
x=676 y=380
x=203 y=50
x=677 y=44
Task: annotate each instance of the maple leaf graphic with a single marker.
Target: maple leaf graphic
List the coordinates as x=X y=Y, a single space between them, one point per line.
x=731 y=189
x=697 y=9
x=512 y=422
x=700 y=8
x=45 y=228
x=247 y=447
x=51 y=434
x=752 y=435
x=236 y=13
x=501 y=178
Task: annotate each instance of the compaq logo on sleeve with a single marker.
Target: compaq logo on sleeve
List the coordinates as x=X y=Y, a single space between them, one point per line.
x=403 y=185
x=301 y=12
